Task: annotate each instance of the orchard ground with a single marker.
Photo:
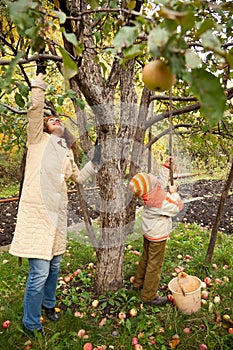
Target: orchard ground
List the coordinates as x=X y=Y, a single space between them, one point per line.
x=106 y=321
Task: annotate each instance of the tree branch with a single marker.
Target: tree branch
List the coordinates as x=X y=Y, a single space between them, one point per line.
x=33 y=58
x=165 y=132
x=177 y=111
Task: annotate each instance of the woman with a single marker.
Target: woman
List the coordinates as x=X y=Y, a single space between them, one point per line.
x=41 y=228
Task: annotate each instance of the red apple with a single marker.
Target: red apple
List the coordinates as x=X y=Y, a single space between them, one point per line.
x=203 y=347
x=77 y=272
x=122 y=315
x=208 y=281
x=134 y=341
x=230 y=330
x=204 y=294
x=67 y=279
x=203 y=302
x=138 y=347
x=170 y=298
x=215 y=266
x=187 y=330
x=135 y=252
x=81 y=333
x=6 y=324
x=218 y=280
x=88 y=346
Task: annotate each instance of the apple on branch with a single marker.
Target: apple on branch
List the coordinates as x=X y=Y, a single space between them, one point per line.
x=157 y=76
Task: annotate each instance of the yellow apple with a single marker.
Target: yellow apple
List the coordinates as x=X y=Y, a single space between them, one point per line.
x=157 y=76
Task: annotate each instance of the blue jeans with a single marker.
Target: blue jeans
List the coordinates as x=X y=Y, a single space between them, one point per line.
x=40 y=290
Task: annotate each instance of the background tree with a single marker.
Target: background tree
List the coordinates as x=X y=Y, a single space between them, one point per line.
x=99 y=49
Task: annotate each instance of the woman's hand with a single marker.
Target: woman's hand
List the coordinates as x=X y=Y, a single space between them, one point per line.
x=40 y=76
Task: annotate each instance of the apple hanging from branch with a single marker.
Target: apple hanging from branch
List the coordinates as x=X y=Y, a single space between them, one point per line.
x=157 y=76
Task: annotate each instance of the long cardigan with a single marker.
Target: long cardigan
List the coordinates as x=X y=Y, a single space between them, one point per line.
x=41 y=228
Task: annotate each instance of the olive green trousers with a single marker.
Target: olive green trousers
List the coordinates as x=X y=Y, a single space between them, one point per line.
x=149 y=269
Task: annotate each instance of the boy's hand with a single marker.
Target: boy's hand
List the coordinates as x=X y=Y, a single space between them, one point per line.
x=172 y=188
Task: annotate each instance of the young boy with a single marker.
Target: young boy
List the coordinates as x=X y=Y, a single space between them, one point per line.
x=159 y=208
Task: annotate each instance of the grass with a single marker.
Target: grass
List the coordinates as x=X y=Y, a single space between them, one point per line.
x=155 y=327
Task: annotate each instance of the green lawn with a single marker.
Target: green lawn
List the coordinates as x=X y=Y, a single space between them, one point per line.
x=154 y=327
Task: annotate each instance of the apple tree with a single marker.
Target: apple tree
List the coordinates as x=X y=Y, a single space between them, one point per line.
x=98 y=49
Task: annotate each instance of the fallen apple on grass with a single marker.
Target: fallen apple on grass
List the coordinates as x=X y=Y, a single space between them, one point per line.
x=133 y=312
x=131 y=279
x=208 y=281
x=217 y=299
x=88 y=346
x=6 y=324
x=122 y=315
x=170 y=298
x=67 y=279
x=187 y=330
x=226 y=317
x=77 y=272
x=134 y=340
x=204 y=294
x=203 y=302
x=95 y=303
x=136 y=252
x=138 y=347
x=215 y=266
x=81 y=333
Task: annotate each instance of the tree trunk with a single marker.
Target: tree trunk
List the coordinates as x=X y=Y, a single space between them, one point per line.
x=219 y=215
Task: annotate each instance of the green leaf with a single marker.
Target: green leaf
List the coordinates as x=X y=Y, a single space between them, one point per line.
x=187 y=22
x=80 y=103
x=125 y=37
x=192 y=59
x=61 y=16
x=132 y=51
x=69 y=69
x=210 y=41
x=23 y=14
x=71 y=37
x=210 y=93
x=229 y=58
x=23 y=89
x=128 y=325
x=93 y=3
x=19 y=100
x=158 y=37
x=11 y=68
x=205 y=26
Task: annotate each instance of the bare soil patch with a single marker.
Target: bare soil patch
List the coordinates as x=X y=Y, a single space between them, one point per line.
x=201 y=211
